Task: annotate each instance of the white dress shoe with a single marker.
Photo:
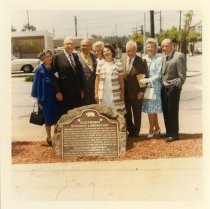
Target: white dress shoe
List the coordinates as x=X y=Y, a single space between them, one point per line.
x=157 y=132
x=150 y=135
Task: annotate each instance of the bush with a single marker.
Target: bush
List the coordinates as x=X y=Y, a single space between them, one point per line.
x=29 y=78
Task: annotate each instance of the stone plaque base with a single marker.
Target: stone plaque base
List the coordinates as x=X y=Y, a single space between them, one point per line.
x=91 y=130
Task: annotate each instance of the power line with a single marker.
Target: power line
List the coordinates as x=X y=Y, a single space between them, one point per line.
x=28 y=20
x=152 y=28
x=75 y=21
x=180 y=19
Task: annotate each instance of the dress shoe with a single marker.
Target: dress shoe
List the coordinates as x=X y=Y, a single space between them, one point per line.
x=171 y=138
x=136 y=136
x=156 y=133
x=164 y=135
x=133 y=134
x=150 y=135
x=49 y=141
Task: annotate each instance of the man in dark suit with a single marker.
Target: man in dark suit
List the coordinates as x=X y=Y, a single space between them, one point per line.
x=133 y=65
x=89 y=63
x=68 y=80
x=174 y=75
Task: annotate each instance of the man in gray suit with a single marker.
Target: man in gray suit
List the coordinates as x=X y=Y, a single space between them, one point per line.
x=174 y=75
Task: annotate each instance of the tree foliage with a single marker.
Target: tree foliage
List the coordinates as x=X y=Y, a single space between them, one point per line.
x=28 y=27
x=13 y=29
x=194 y=36
x=116 y=41
x=172 y=33
x=139 y=39
x=96 y=37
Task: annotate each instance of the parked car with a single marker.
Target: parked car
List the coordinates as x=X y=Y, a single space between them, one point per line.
x=25 y=65
x=198 y=50
x=60 y=49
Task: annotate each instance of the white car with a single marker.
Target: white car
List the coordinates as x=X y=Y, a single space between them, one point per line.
x=25 y=65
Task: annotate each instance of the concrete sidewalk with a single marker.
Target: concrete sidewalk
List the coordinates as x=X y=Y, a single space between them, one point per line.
x=135 y=180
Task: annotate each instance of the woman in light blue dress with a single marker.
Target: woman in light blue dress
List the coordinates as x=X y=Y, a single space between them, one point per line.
x=152 y=107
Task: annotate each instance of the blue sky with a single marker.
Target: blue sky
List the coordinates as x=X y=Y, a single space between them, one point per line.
x=98 y=22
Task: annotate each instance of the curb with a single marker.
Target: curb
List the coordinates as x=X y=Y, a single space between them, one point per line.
x=193 y=73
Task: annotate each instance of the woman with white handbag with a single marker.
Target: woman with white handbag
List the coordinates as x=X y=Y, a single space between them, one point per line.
x=152 y=103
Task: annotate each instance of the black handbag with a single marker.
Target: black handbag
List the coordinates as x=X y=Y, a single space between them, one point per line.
x=37 y=117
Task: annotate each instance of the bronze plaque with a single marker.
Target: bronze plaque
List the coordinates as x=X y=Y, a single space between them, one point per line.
x=90 y=134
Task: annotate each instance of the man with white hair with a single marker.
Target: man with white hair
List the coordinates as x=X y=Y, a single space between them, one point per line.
x=133 y=65
x=88 y=61
x=68 y=80
x=174 y=75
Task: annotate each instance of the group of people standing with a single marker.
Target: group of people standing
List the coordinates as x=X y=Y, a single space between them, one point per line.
x=93 y=76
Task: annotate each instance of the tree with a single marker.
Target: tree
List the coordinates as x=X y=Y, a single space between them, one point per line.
x=192 y=38
x=13 y=29
x=139 y=39
x=96 y=37
x=28 y=27
x=172 y=33
x=185 y=31
x=116 y=41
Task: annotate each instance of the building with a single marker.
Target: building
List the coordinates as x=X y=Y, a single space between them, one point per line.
x=196 y=48
x=59 y=42
x=27 y=44
x=197 y=27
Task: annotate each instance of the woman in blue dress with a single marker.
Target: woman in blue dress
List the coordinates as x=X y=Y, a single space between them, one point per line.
x=152 y=107
x=43 y=90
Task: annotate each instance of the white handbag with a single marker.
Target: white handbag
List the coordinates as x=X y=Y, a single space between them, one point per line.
x=150 y=92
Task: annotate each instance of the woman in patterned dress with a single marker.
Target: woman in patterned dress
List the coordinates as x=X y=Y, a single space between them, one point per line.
x=152 y=107
x=109 y=84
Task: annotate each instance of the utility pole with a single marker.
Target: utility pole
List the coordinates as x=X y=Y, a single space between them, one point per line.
x=87 y=32
x=142 y=29
x=135 y=30
x=152 y=28
x=180 y=19
x=28 y=20
x=116 y=35
x=53 y=31
x=160 y=22
x=144 y=33
x=75 y=21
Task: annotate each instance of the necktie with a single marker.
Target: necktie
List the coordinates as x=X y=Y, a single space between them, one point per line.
x=167 y=57
x=71 y=61
x=129 y=66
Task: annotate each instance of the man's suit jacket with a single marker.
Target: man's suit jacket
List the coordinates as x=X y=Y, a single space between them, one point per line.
x=68 y=80
x=89 y=79
x=174 y=70
x=139 y=66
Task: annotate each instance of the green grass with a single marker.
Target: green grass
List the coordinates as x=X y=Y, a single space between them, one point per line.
x=29 y=78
